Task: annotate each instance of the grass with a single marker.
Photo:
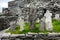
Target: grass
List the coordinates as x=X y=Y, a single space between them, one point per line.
x=26 y=29
x=56 y=24
x=16 y=30
x=56 y=28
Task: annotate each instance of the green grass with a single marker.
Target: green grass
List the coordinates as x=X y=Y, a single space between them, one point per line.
x=26 y=29
x=56 y=28
x=14 y=32
x=56 y=24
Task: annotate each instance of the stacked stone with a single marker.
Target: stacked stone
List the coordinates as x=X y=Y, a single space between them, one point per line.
x=29 y=37
x=11 y=17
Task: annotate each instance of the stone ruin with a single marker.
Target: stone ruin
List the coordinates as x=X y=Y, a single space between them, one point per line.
x=30 y=37
x=7 y=19
x=25 y=11
x=30 y=11
x=35 y=9
x=4 y=23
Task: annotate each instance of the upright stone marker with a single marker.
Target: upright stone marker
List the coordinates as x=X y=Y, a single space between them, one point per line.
x=21 y=23
x=48 y=20
x=57 y=16
x=13 y=25
x=42 y=24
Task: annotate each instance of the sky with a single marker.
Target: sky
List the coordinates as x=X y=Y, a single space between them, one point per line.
x=4 y=4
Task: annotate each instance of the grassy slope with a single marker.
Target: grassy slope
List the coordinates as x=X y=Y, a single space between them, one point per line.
x=56 y=28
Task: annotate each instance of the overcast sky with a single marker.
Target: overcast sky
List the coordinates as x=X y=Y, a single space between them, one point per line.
x=4 y=4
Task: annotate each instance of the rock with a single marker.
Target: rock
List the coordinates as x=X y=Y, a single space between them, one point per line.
x=5 y=34
x=53 y=34
x=4 y=23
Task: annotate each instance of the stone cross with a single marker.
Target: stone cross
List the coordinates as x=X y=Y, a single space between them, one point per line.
x=48 y=20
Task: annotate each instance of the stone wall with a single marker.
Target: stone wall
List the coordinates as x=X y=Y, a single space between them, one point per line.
x=31 y=37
